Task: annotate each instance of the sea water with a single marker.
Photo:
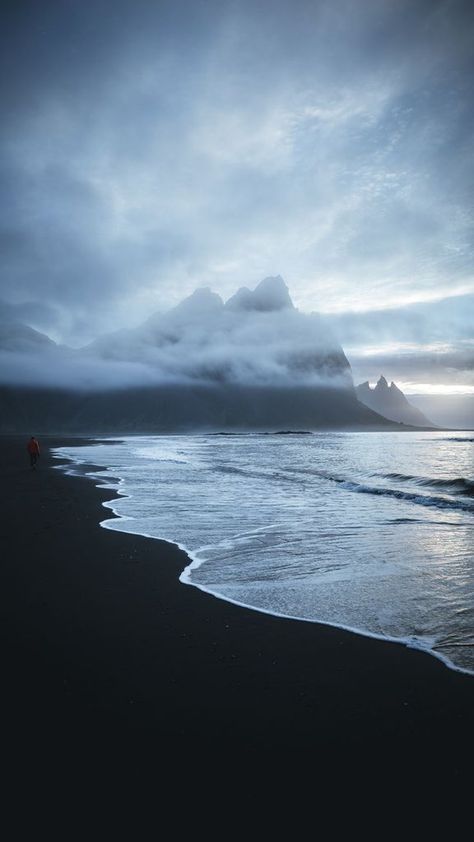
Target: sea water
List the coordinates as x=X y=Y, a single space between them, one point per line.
x=367 y=531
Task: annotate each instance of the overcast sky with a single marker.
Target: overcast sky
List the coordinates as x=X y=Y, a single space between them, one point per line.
x=149 y=148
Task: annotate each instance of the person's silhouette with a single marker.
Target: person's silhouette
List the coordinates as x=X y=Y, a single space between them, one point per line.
x=33 y=449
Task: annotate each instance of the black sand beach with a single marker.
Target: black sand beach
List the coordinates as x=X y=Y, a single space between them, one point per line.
x=100 y=639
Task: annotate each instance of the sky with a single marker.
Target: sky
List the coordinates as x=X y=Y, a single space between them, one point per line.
x=151 y=148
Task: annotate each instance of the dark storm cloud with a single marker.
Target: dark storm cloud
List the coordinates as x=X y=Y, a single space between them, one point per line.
x=150 y=148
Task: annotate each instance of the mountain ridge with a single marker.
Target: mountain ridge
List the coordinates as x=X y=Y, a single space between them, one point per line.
x=253 y=362
x=391 y=403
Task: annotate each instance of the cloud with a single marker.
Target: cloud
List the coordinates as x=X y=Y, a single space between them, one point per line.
x=419 y=369
x=148 y=149
x=72 y=372
x=257 y=338
x=425 y=347
x=37 y=314
x=448 y=319
x=420 y=372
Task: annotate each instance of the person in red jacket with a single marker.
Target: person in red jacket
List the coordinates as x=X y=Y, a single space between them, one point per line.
x=33 y=449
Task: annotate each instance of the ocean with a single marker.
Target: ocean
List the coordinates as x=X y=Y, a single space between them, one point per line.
x=371 y=532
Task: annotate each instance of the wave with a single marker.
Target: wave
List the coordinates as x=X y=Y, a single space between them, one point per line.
x=420 y=499
x=458 y=438
x=463 y=486
x=459 y=485
x=290 y=433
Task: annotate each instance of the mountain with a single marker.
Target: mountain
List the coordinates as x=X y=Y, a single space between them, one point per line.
x=270 y=294
x=15 y=336
x=257 y=337
x=253 y=362
x=390 y=402
x=178 y=409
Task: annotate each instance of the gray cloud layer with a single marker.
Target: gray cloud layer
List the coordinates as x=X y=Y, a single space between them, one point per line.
x=417 y=345
x=150 y=148
x=257 y=338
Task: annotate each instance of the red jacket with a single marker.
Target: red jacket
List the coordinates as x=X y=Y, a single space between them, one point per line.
x=33 y=446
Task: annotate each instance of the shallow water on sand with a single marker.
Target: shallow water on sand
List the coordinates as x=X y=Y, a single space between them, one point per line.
x=367 y=531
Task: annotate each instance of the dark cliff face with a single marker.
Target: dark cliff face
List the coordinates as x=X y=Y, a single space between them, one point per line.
x=183 y=409
x=390 y=402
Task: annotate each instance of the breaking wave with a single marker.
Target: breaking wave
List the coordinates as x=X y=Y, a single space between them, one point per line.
x=420 y=499
x=457 y=485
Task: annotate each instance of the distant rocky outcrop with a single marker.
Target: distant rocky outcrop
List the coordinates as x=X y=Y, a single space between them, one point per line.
x=390 y=402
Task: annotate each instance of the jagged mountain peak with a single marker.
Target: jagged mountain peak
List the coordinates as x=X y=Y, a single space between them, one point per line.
x=269 y=295
x=203 y=299
x=390 y=402
x=394 y=388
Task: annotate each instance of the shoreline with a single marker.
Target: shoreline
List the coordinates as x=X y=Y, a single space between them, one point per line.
x=92 y=471
x=103 y=637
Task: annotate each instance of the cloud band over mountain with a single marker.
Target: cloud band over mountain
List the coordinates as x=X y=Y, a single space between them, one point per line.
x=255 y=338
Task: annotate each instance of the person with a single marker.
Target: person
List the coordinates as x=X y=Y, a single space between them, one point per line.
x=33 y=449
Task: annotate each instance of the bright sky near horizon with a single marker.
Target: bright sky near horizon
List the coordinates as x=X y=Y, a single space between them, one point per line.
x=149 y=148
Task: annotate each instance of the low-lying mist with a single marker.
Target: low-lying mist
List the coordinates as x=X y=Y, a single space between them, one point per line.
x=256 y=338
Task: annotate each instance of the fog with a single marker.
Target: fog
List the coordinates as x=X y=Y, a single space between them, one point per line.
x=255 y=338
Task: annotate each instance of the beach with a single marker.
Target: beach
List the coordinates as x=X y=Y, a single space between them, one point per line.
x=101 y=638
